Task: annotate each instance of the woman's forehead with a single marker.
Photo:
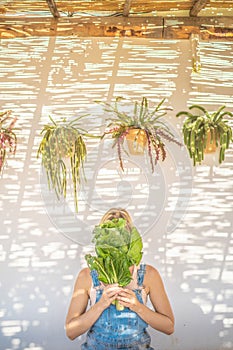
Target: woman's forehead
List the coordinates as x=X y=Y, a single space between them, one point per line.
x=117 y=214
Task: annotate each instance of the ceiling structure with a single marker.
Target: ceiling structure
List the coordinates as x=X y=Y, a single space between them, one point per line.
x=211 y=19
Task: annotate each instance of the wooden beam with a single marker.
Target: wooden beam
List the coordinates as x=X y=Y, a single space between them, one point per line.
x=197 y=7
x=127 y=7
x=53 y=8
x=209 y=28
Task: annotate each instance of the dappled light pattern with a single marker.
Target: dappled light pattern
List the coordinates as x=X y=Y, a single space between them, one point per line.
x=184 y=214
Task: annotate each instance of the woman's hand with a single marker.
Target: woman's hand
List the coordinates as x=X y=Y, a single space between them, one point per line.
x=128 y=298
x=110 y=293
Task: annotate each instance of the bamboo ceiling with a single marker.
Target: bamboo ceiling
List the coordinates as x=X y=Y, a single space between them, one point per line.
x=212 y=19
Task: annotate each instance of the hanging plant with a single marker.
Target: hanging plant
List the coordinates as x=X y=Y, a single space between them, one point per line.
x=63 y=139
x=144 y=125
x=8 y=139
x=204 y=131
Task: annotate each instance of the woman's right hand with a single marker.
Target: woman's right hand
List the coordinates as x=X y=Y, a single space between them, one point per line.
x=110 y=293
x=80 y=318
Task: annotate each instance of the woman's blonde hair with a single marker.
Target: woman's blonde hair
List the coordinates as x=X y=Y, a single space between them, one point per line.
x=116 y=213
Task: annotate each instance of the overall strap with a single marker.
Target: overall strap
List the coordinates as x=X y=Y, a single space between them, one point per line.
x=95 y=280
x=141 y=274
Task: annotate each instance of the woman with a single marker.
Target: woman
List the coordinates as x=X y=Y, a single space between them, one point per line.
x=107 y=327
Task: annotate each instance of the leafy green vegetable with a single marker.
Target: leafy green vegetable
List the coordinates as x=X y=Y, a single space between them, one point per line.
x=117 y=248
x=134 y=253
x=113 y=268
x=112 y=233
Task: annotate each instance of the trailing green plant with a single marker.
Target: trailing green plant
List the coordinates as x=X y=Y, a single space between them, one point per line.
x=142 y=118
x=117 y=248
x=63 y=139
x=8 y=139
x=196 y=126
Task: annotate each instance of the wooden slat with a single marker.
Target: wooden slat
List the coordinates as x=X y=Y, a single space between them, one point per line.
x=218 y=28
x=197 y=7
x=53 y=8
x=126 y=9
x=146 y=27
x=97 y=6
x=117 y=6
x=86 y=27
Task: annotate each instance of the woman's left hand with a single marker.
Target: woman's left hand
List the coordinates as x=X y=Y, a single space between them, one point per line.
x=128 y=298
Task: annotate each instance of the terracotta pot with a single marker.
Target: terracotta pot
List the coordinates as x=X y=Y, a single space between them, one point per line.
x=210 y=147
x=136 y=140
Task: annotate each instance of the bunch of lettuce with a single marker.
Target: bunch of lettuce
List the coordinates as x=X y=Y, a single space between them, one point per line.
x=117 y=248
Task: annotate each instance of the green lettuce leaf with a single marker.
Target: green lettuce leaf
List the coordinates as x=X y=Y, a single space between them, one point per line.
x=113 y=268
x=134 y=253
x=117 y=248
x=113 y=233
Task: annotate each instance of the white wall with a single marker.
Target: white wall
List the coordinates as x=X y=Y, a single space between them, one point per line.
x=184 y=214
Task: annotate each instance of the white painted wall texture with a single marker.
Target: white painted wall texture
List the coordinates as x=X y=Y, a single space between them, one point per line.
x=184 y=214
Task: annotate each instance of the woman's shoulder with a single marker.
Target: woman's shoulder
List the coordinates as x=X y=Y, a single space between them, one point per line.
x=150 y=268
x=84 y=277
x=84 y=272
x=152 y=273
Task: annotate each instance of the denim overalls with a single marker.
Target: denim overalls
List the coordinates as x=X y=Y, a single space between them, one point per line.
x=118 y=329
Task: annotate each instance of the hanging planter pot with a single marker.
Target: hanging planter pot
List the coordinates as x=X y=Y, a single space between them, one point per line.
x=211 y=151
x=137 y=141
x=210 y=143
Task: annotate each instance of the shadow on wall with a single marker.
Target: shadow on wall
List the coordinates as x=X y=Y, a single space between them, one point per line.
x=193 y=329
x=39 y=263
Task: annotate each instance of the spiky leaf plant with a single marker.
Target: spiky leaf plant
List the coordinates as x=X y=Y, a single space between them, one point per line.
x=198 y=123
x=8 y=139
x=142 y=118
x=63 y=139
